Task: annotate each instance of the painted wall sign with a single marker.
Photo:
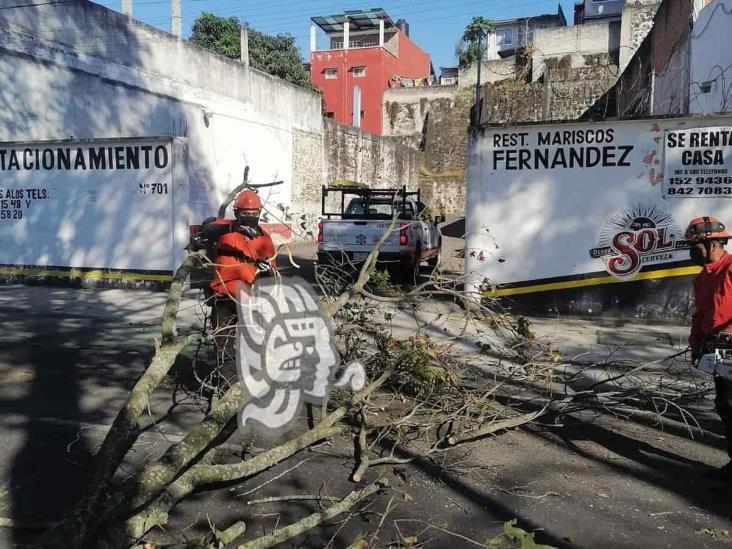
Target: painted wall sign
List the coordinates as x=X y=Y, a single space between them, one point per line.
x=638 y=236
x=582 y=205
x=698 y=163
x=105 y=205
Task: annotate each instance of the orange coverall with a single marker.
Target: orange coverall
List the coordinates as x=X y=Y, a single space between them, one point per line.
x=236 y=254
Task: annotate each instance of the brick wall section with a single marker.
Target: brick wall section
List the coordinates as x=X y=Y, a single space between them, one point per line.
x=444 y=194
x=308 y=169
x=508 y=102
x=343 y=153
x=572 y=92
x=377 y=161
x=566 y=93
x=446 y=135
x=435 y=121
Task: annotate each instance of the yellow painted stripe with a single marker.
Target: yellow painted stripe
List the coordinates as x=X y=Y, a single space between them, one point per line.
x=650 y=275
x=94 y=275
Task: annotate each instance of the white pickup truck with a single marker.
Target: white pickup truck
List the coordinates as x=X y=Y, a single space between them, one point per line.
x=347 y=236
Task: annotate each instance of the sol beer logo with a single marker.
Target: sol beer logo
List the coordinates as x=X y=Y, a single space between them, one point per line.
x=638 y=236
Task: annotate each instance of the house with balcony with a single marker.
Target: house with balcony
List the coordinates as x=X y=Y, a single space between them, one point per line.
x=365 y=53
x=510 y=35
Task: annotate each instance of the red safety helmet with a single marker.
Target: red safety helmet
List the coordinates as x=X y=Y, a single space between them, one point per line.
x=706 y=228
x=248 y=200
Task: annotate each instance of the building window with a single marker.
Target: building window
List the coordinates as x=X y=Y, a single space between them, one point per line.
x=504 y=37
x=331 y=74
x=359 y=72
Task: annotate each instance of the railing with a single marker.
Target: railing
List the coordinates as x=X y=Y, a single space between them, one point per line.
x=338 y=45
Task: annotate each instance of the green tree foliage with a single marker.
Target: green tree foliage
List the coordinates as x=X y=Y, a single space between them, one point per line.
x=473 y=42
x=275 y=55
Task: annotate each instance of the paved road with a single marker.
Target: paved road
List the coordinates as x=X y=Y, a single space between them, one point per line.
x=70 y=356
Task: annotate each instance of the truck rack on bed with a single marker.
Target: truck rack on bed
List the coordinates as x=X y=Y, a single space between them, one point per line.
x=367 y=193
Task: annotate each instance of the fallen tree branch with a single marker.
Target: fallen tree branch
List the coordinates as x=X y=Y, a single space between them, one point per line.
x=294 y=497
x=311 y=521
x=156 y=476
x=494 y=427
x=156 y=513
x=331 y=309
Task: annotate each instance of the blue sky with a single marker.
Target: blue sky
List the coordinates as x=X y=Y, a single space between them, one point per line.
x=435 y=25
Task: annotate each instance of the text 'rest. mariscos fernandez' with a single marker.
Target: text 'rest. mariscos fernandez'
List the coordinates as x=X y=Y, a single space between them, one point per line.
x=553 y=149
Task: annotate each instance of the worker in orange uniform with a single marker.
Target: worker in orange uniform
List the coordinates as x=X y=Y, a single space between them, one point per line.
x=713 y=313
x=243 y=251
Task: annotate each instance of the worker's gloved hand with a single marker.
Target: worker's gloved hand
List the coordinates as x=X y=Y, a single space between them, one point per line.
x=264 y=266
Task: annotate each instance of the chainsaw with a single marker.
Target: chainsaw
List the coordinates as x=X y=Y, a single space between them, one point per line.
x=718 y=361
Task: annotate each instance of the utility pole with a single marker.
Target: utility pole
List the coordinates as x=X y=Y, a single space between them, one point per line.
x=177 y=19
x=244 y=48
x=127 y=7
x=477 y=113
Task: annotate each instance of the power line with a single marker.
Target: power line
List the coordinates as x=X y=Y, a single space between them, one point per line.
x=36 y=4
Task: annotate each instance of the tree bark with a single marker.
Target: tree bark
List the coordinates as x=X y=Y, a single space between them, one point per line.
x=83 y=520
x=311 y=521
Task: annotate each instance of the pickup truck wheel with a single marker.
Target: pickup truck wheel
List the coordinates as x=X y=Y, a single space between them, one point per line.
x=414 y=275
x=436 y=260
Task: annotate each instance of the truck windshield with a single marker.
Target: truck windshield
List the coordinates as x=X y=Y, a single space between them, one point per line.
x=377 y=209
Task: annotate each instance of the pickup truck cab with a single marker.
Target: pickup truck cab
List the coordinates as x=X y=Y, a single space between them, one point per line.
x=347 y=236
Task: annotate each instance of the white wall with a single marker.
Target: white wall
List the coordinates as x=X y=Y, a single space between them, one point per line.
x=92 y=74
x=492 y=70
x=576 y=41
x=527 y=225
x=711 y=44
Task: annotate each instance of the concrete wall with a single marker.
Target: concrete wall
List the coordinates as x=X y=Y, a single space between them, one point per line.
x=344 y=153
x=94 y=74
x=99 y=75
x=711 y=41
x=376 y=161
x=435 y=121
x=565 y=94
x=577 y=41
x=636 y=22
x=406 y=109
x=492 y=70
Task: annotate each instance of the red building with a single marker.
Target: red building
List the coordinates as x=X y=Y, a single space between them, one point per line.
x=367 y=53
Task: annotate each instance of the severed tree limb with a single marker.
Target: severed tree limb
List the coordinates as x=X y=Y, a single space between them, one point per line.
x=220 y=538
x=156 y=513
x=169 y=324
x=361 y=452
x=294 y=497
x=156 y=476
x=493 y=427
x=83 y=520
x=231 y=533
x=311 y=521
